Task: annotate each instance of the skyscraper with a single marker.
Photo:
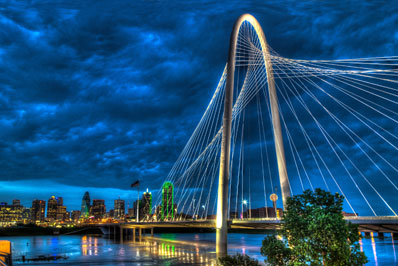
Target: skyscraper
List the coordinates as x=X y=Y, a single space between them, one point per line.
x=38 y=210
x=146 y=205
x=52 y=206
x=60 y=201
x=27 y=215
x=61 y=213
x=167 y=201
x=76 y=216
x=98 y=209
x=136 y=204
x=85 y=211
x=10 y=213
x=119 y=209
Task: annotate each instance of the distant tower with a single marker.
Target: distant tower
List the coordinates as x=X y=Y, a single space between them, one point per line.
x=119 y=209
x=98 y=210
x=16 y=202
x=52 y=206
x=146 y=204
x=167 y=201
x=60 y=201
x=85 y=212
x=38 y=209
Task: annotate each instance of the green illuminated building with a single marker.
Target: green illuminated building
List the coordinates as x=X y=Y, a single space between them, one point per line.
x=167 y=211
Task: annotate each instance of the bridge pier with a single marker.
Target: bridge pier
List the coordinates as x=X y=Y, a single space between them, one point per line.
x=222 y=200
x=121 y=234
x=151 y=231
x=380 y=235
x=139 y=234
x=367 y=234
x=134 y=234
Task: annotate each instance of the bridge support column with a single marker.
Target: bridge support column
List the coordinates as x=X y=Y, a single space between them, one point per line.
x=380 y=234
x=152 y=231
x=139 y=234
x=121 y=234
x=134 y=234
x=367 y=234
x=222 y=201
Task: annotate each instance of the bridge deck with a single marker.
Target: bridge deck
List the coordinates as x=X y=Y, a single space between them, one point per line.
x=365 y=224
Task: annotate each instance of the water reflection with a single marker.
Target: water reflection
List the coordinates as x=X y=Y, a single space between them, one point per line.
x=374 y=248
x=178 y=251
x=165 y=249
x=393 y=247
x=89 y=245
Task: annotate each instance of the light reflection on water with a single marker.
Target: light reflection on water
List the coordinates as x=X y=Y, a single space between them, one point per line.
x=164 y=249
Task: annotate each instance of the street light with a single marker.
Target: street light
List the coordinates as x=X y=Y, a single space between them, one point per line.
x=203 y=214
x=244 y=202
x=274 y=198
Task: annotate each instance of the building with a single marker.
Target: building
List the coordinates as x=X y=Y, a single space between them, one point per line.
x=349 y=214
x=76 y=216
x=61 y=213
x=16 y=202
x=263 y=212
x=146 y=202
x=119 y=210
x=111 y=214
x=167 y=212
x=38 y=210
x=85 y=210
x=26 y=215
x=131 y=212
x=10 y=213
x=135 y=209
x=158 y=213
x=98 y=209
x=60 y=201
x=52 y=206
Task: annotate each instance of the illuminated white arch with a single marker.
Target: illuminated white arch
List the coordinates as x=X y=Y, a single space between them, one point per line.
x=222 y=202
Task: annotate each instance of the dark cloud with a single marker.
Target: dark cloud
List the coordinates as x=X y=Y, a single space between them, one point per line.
x=100 y=93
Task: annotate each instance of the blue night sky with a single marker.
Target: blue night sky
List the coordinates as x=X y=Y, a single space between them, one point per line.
x=97 y=94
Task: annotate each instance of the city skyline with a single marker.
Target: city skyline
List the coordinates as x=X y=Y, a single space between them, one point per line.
x=55 y=196
x=93 y=104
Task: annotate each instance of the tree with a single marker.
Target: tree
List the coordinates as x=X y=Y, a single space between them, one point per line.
x=237 y=260
x=314 y=232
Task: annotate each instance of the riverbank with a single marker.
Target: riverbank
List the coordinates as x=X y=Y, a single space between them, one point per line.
x=33 y=230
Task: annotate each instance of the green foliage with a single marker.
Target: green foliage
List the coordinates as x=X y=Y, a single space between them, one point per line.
x=314 y=233
x=237 y=260
x=277 y=252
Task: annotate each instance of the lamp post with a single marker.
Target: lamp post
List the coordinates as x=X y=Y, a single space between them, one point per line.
x=244 y=202
x=274 y=198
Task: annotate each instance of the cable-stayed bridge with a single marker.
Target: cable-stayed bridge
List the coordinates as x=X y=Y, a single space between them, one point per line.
x=276 y=125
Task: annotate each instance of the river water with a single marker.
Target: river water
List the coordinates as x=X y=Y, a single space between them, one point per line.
x=163 y=249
